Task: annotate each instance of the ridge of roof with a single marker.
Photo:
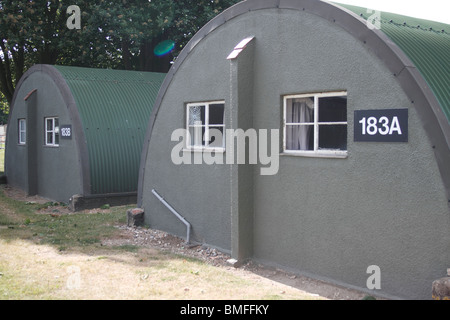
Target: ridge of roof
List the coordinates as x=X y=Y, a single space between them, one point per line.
x=95 y=74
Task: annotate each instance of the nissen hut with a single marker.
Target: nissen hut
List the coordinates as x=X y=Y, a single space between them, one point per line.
x=76 y=134
x=310 y=136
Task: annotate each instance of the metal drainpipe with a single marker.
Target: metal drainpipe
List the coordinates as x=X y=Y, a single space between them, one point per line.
x=188 y=225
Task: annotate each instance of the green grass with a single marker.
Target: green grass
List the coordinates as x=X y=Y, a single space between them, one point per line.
x=25 y=221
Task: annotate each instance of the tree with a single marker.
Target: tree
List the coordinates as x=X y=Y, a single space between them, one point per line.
x=114 y=34
x=134 y=28
x=4 y=110
x=30 y=32
x=122 y=35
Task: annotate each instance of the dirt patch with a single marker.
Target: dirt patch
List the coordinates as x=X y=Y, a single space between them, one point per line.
x=149 y=238
x=20 y=195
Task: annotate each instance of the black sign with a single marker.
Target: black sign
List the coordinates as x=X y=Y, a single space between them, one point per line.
x=65 y=132
x=387 y=125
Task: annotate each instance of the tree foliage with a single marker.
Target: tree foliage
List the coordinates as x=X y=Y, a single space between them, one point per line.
x=118 y=34
x=4 y=110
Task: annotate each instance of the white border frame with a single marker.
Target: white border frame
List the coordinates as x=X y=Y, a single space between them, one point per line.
x=207 y=125
x=320 y=153
x=20 y=131
x=54 y=131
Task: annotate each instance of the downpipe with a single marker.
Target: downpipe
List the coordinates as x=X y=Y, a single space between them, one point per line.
x=168 y=206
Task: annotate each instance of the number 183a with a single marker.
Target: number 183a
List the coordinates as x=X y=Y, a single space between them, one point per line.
x=382 y=125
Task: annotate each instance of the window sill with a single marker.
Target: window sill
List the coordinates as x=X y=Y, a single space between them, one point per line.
x=317 y=154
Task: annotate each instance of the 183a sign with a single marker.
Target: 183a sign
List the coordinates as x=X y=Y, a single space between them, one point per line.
x=387 y=125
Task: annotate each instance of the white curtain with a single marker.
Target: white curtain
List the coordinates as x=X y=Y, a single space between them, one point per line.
x=302 y=110
x=195 y=122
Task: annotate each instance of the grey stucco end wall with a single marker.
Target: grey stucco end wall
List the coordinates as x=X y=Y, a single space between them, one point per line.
x=183 y=186
x=57 y=169
x=16 y=163
x=385 y=204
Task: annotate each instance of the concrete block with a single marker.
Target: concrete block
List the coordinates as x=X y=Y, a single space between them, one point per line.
x=135 y=217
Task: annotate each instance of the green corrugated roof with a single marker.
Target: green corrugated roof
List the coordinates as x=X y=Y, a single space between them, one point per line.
x=426 y=43
x=114 y=108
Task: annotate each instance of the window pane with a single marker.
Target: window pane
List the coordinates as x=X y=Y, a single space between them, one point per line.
x=216 y=113
x=49 y=125
x=299 y=137
x=197 y=134
x=333 y=137
x=56 y=131
x=22 y=131
x=49 y=138
x=300 y=110
x=216 y=137
x=333 y=109
x=196 y=113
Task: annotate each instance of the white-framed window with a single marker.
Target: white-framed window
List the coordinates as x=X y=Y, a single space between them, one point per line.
x=205 y=125
x=22 y=132
x=52 y=131
x=315 y=124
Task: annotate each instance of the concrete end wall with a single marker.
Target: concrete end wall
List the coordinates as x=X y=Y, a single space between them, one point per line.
x=384 y=204
x=56 y=170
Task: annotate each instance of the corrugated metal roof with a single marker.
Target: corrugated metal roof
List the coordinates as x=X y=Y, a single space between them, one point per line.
x=114 y=107
x=426 y=43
